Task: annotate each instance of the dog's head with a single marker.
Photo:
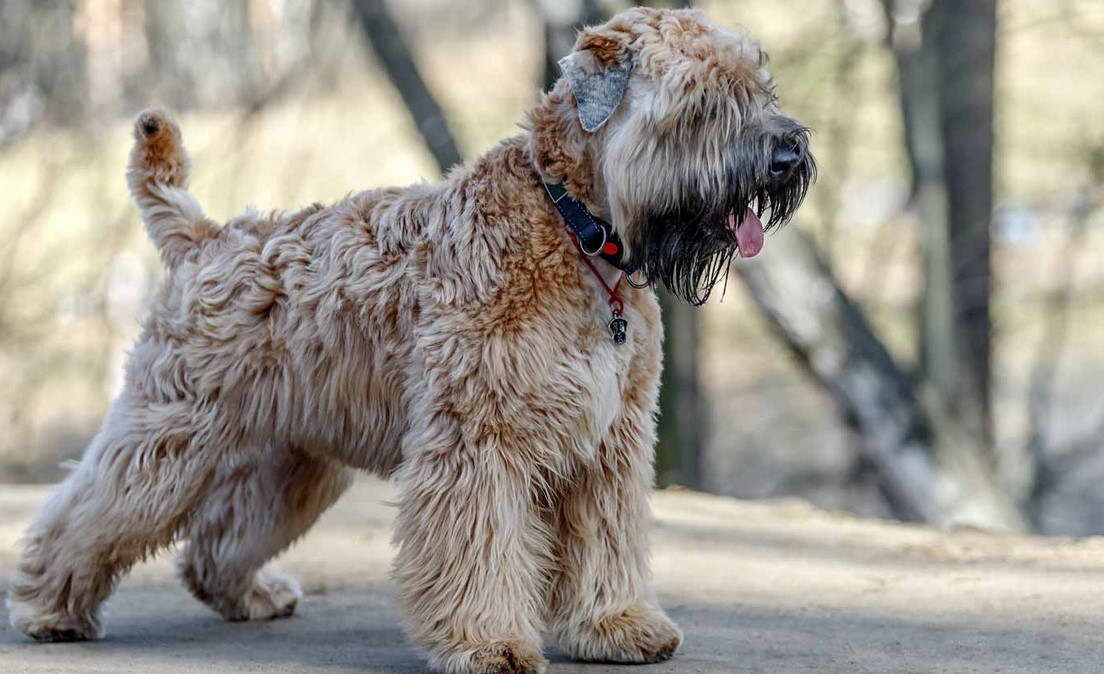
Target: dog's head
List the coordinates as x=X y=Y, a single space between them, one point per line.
x=671 y=127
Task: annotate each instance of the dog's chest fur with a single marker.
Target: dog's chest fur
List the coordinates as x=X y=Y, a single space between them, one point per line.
x=444 y=318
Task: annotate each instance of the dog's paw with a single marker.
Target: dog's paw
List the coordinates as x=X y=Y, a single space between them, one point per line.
x=52 y=627
x=642 y=634
x=273 y=595
x=497 y=657
x=507 y=658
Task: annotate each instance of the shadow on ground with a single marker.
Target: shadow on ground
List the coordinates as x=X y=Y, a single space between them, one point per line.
x=162 y=630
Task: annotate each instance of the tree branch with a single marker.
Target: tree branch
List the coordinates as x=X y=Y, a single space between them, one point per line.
x=1044 y=373
x=931 y=469
x=385 y=37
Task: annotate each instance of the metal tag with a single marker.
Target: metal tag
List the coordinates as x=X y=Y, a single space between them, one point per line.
x=618 y=327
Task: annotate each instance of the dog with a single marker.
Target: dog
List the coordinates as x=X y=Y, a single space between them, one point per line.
x=491 y=342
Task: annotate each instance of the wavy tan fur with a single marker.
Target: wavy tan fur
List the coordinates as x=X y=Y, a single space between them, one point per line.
x=447 y=335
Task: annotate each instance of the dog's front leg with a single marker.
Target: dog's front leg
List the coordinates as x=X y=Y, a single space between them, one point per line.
x=472 y=559
x=601 y=606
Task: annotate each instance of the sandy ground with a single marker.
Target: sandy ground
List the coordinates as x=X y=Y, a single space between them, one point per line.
x=756 y=586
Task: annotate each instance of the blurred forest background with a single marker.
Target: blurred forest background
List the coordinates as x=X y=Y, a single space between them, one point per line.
x=925 y=342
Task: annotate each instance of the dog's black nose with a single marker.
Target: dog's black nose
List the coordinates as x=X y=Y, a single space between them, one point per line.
x=783 y=159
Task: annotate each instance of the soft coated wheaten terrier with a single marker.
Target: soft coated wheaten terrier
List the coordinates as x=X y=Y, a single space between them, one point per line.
x=454 y=336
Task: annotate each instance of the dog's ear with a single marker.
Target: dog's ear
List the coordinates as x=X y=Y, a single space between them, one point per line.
x=598 y=72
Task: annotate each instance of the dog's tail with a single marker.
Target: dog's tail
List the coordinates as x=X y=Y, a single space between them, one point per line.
x=158 y=179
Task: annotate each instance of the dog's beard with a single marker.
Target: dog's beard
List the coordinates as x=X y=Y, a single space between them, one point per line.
x=684 y=253
x=689 y=248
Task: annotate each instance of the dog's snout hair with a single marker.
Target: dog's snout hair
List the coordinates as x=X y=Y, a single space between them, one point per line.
x=781 y=195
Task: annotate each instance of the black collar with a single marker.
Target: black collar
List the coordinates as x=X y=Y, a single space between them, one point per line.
x=596 y=236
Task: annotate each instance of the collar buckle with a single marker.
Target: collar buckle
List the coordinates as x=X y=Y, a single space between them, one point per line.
x=555 y=192
x=591 y=234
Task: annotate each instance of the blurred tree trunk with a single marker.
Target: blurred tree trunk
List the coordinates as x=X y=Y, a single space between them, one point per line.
x=683 y=411
x=930 y=443
x=43 y=73
x=386 y=39
x=945 y=59
x=562 y=21
x=930 y=469
x=967 y=48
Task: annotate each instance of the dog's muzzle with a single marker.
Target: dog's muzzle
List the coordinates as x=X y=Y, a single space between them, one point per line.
x=784 y=159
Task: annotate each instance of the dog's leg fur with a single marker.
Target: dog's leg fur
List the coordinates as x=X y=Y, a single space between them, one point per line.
x=472 y=562
x=601 y=608
x=127 y=498
x=600 y=604
x=251 y=514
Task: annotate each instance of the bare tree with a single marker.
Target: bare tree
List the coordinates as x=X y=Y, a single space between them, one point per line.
x=42 y=67
x=562 y=21
x=929 y=441
x=945 y=55
x=966 y=34
x=683 y=410
x=385 y=37
x=1047 y=464
x=929 y=468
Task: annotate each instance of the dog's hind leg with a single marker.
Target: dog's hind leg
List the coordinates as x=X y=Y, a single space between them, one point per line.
x=133 y=489
x=251 y=514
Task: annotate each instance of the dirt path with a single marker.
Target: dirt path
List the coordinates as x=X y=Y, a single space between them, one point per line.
x=757 y=587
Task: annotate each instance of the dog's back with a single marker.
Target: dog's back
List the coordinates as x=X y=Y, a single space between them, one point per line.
x=302 y=325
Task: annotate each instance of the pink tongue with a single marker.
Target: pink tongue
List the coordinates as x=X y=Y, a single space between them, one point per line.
x=749 y=233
